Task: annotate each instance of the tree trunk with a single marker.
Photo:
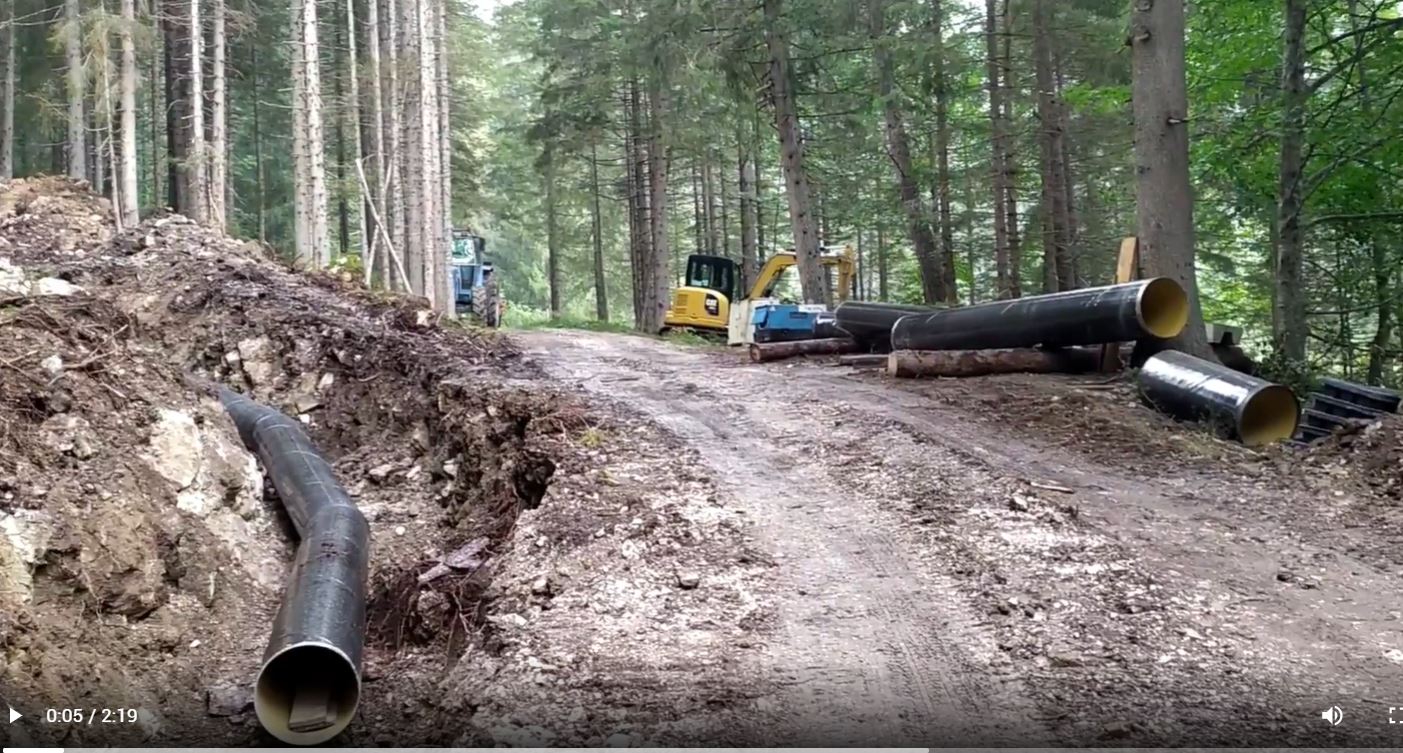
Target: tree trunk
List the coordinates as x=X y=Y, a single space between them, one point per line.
x=76 y=144
x=169 y=20
x=431 y=190
x=942 y=150
x=725 y=201
x=713 y=243
x=1057 y=269
x=882 y=293
x=1065 y=155
x=128 y=205
x=899 y=151
x=218 y=189
x=748 y=220
x=698 y=216
x=998 y=169
x=656 y=298
x=260 y=180
x=861 y=278
x=756 y=150
x=642 y=222
x=631 y=202
x=1164 y=199
x=973 y=363
x=97 y=131
x=806 y=248
x=338 y=94
x=971 y=242
x=1383 y=294
x=601 y=292
x=356 y=117
x=1291 y=329
x=552 y=234
x=154 y=120
x=7 y=98
x=396 y=174
x=1010 y=163
x=308 y=153
x=445 y=156
x=377 y=266
x=195 y=159
x=765 y=352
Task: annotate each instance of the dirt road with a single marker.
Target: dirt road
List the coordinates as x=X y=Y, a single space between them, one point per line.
x=948 y=570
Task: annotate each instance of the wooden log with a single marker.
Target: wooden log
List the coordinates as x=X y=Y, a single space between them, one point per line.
x=764 y=352
x=969 y=363
x=863 y=359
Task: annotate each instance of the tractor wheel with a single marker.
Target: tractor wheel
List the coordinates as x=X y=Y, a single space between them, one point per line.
x=486 y=307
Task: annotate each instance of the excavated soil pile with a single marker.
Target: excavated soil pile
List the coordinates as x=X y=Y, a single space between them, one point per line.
x=1374 y=449
x=141 y=556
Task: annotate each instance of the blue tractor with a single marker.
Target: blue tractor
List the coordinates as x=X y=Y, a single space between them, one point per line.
x=474 y=285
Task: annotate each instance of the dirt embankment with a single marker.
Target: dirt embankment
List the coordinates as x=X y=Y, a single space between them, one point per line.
x=141 y=556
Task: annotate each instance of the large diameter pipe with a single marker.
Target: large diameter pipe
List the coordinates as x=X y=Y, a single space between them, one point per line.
x=870 y=323
x=1156 y=308
x=1249 y=409
x=309 y=684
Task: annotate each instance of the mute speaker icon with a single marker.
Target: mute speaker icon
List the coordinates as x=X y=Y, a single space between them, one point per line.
x=1333 y=715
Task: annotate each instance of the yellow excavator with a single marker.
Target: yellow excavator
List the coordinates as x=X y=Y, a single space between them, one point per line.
x=706 y=302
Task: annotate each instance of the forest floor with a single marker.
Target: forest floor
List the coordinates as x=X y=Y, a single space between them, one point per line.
x=586 y=539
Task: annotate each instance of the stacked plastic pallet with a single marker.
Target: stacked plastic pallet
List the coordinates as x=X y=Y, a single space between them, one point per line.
x=1338 y=404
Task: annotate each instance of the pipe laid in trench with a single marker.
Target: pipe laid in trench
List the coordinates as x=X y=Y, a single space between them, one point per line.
x=308 y=686
x=1251 y=410
x=870 y=323
x=1155 y=308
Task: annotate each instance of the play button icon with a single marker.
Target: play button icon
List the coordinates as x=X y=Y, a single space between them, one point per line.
x=14 y=715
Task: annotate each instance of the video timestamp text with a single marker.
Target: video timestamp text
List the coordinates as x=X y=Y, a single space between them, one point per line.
x=90 y=716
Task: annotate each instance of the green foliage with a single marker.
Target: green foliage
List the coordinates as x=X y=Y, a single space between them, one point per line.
x=350 y=264
x=522 y=317
x=549 y=77
x=1294 y=374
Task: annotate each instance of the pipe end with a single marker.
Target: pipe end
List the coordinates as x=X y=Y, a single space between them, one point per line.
x=1163 y=308
x=307 y=693
x=1270 y=415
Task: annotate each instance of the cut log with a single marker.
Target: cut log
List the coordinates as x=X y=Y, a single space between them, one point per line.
x=763 y=352
x=863 y=359
x=969 y=363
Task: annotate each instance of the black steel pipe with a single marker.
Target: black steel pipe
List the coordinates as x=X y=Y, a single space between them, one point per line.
x=870 y=323
x=308 y=686
x=1155 y=308
x=1244 y=407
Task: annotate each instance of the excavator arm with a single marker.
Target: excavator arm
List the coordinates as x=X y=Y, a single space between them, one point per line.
x=774 y=267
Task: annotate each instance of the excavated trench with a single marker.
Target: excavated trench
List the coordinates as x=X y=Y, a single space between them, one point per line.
x=141 y=553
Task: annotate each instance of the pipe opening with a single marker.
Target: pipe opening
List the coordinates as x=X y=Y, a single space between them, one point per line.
x=1163 y=308
x=1270 y=415
x=306 y=694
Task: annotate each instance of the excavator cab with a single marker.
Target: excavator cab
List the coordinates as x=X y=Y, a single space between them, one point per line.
x=704 y=301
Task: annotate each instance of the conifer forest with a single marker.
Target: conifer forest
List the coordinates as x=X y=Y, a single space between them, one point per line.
x=968 y=150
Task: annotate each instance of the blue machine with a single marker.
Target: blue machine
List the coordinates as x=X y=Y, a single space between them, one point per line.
x=785 y=322
x=472 y=277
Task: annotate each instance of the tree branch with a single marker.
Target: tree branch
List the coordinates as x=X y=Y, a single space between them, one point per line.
x=1391 y=215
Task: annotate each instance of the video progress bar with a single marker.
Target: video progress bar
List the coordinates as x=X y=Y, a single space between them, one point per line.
x=727 y=750
x=488 y=750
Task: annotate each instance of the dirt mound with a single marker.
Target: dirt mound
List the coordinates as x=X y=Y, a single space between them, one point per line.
x=141 y=557
x=1374 y=449
x=1103 y=416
